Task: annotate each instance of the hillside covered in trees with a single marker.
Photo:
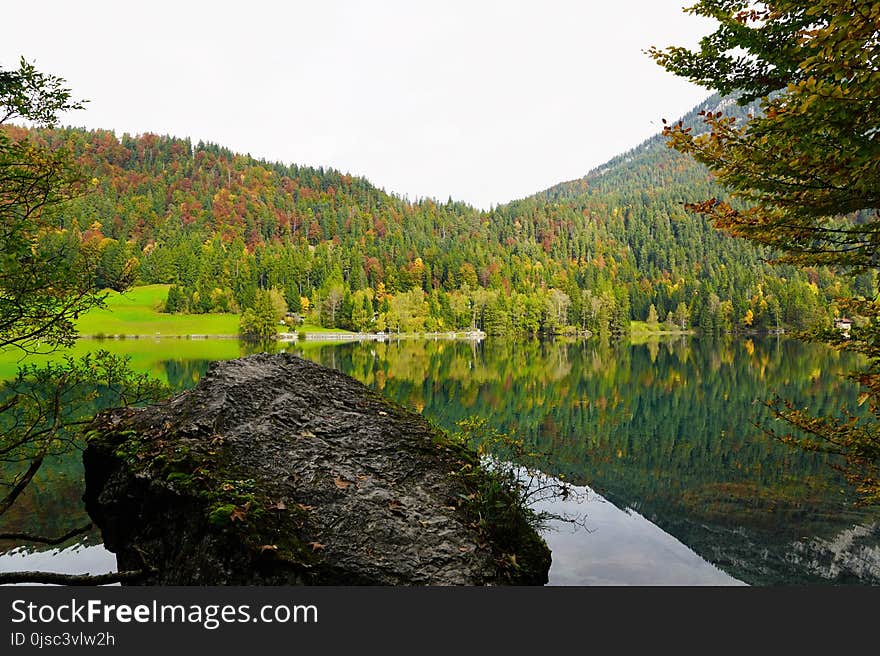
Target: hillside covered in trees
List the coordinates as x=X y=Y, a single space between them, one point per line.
x=591 y=254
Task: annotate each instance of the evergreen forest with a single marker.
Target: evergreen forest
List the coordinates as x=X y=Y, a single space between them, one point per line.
x=232 y=233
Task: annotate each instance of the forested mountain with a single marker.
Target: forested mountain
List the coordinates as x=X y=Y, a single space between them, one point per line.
x=629 y=214
x=589 y=254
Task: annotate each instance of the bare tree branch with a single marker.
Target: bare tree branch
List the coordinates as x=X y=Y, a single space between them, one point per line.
x=27 y=537
x=20 y=486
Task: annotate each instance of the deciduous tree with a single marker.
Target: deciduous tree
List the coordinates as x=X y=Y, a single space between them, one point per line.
x=47 y=278
x=804 y=171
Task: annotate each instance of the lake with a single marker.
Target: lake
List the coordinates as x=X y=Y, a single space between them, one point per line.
x=676 y=482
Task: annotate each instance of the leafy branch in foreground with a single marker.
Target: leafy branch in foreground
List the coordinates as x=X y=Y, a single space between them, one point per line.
x=44 y=405
x=47 y=276
x=854 y=438
x=808 y=166
x=42 y=409
x=29 y=94
x=805 y=170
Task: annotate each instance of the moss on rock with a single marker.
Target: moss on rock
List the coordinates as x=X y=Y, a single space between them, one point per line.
x=276 y=470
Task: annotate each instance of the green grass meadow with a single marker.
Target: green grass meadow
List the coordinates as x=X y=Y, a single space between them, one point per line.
x=150 y=336
x=136 y=312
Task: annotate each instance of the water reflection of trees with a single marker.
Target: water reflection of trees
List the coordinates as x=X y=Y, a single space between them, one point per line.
x=667 y=428
x=664 y=427
x=184 y=374
x=52 y=502
x=44 y=410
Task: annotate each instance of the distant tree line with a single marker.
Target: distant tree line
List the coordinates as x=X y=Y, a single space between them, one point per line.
x=590 y=255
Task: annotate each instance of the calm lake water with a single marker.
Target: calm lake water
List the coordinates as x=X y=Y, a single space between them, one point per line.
x=677 y=484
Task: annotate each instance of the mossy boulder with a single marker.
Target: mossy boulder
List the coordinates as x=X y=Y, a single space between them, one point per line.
x=275 y=470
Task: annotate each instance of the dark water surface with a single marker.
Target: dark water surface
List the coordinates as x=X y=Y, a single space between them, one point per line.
x=679 y=487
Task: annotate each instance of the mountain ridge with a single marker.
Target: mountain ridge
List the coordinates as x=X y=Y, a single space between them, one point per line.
x=590 y=254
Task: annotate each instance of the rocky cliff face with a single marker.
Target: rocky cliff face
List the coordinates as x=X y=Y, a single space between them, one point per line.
x=274 y=470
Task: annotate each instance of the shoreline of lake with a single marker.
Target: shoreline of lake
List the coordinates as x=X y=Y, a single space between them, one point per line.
x=286 y=338
x=637 y=335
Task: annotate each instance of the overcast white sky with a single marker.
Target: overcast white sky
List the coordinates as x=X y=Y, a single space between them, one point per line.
x=480 y=100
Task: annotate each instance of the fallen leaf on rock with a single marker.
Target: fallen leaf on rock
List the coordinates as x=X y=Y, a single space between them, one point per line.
x=279 y=505
x=341 y=483
x=317 y=546
x=268 y=547
x=304 y=507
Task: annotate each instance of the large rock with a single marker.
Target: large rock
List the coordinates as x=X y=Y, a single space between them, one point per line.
x=275 y=470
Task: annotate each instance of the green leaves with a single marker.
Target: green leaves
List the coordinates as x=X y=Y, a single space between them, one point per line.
x=28 y=94
x=43 y=408
x=807 y=170
x=47 y=278
x=810 y=161
x=260 y=323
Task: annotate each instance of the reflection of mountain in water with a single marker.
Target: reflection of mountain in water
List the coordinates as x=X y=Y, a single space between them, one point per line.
x=663 y=428
x=854 y=553
x=666 y=429
x=753 y=552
